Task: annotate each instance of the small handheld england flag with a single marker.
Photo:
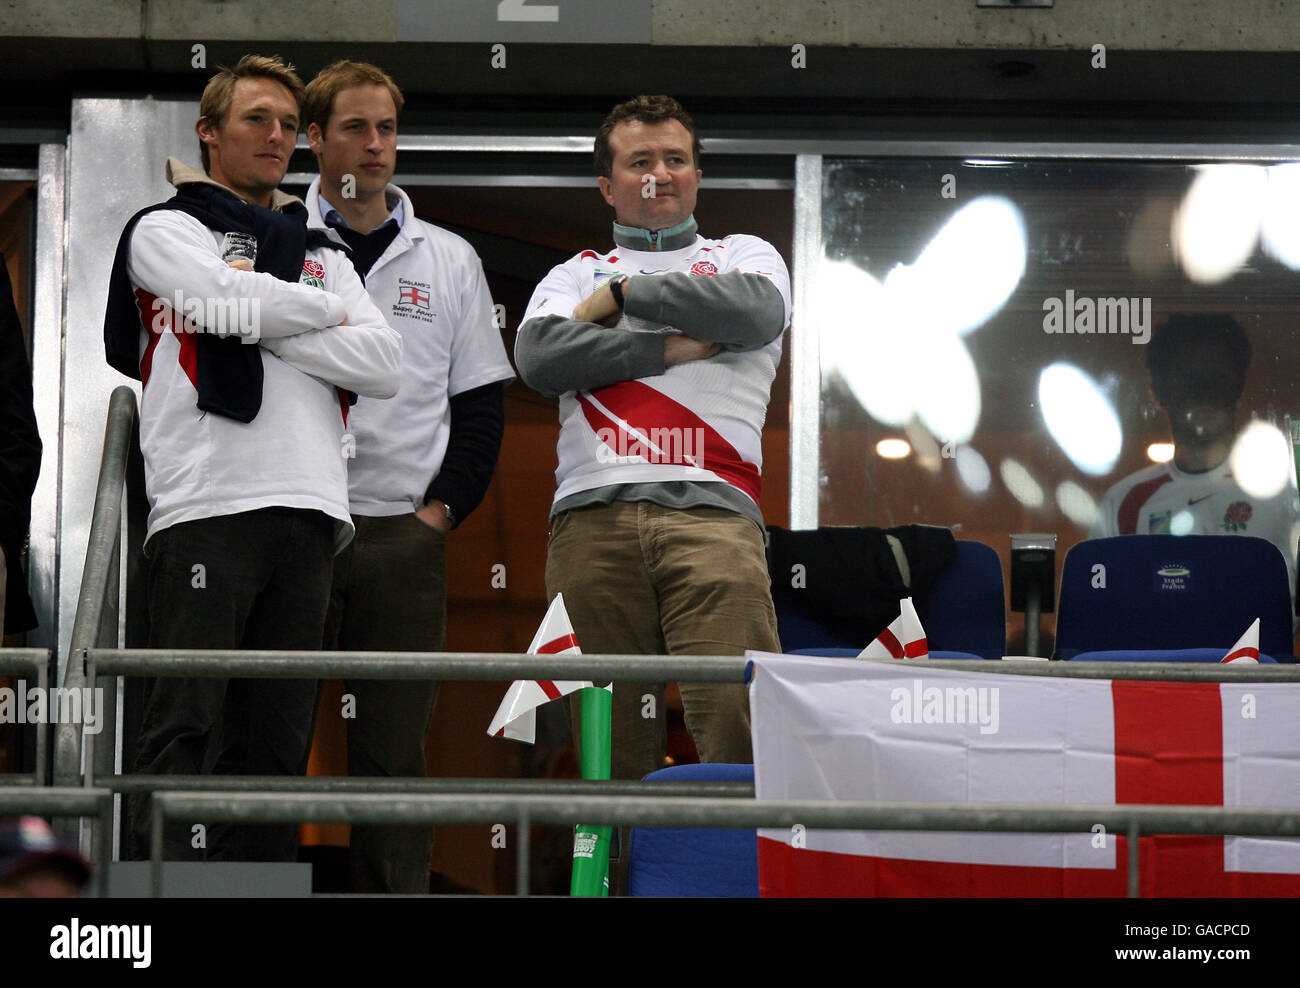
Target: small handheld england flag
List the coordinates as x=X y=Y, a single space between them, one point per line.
x=1247 y=647
x=517 y=716
x=904 y=638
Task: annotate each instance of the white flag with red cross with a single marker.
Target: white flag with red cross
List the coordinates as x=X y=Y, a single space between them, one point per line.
x=904 y=638
x=826 y=729
x=1247 y=647
x=517 y=716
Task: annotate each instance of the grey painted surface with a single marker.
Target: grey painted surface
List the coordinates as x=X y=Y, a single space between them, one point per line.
x=116 y=152
x=1175 y=25
x=552 y=21
x=47 y=368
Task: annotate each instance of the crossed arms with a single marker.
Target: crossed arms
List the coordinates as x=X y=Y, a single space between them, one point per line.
x=337 y=335
x=568 y=343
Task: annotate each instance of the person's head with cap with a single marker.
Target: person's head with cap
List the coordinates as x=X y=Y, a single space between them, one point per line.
x=34 y=865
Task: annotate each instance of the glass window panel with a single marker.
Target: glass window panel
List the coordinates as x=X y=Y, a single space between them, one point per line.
x=953 y=302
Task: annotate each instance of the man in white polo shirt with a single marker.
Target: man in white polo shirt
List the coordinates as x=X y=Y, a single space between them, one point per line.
x=247 y=331
x=422 y=460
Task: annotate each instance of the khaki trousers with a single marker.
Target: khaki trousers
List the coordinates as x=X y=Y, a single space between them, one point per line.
x=639 y=578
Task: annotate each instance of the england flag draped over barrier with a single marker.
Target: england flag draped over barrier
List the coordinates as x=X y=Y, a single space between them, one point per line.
x=835 y=730
x=517 y=716
x=904 y=638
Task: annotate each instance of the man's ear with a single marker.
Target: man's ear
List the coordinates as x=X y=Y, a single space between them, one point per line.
x=206 y=130
x=605 y=186
x=315 y=138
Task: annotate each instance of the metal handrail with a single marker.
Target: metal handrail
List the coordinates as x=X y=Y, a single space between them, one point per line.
x=605 y=667
x=99 y=575
x=417 y=809
x=394 y=786
x=36 y=660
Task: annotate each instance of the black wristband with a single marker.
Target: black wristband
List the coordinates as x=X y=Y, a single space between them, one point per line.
x=616 y=288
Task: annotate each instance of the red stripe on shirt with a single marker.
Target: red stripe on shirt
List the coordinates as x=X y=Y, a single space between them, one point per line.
x=643 y=409
x=187 y=354
x=1131 y=507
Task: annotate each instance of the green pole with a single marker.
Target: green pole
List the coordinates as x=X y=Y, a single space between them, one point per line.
x=591 y=844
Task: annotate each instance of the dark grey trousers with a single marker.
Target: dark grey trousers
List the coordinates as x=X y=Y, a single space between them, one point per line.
x=390 y=595
x=254 y=580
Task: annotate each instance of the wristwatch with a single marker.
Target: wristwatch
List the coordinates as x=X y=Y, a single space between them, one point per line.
x=451 y=515
x=616 y=284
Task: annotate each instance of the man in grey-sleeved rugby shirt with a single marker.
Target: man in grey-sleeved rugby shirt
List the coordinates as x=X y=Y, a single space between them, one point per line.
x=662 y=351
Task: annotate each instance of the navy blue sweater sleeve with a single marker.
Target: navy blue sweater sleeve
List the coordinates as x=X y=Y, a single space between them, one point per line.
x=478 y=422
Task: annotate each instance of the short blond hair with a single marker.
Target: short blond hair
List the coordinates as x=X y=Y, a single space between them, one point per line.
x=318 y=105
x=219 y=93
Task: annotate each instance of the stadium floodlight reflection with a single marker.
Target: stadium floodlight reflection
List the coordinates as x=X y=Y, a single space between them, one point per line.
x=1023 y=487
x=973 y=469
x=898 y=344
x=1261 y=460
x=1080 y=418
x=1216 y=226
x=1279 y=231
x=1076 y=503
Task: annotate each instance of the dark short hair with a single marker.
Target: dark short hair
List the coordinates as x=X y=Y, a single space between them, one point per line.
x=219 y=93
x=318 y=105
x=647 y=110
x=1183 y=332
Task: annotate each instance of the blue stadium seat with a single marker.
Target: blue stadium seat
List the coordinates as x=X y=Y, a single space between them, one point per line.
x=1170 y=593
x=690 y=862
x=967 y=609
x=1161 y=655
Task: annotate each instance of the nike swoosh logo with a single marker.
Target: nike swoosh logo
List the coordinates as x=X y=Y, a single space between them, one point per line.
x=1198 y=500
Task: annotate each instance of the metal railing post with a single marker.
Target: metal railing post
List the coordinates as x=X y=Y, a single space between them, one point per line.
x=1134 y=861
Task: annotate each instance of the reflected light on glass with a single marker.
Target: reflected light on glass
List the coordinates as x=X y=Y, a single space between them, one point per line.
x=893 y=449
x=1279 y=233
x=1215 y=228
x=1076 y=504
x=893 y=363
x=973 y=470
x=948 y=390
x=968 y=271
x=1080 y=418
x=860 y=342
x=1182 y=523
x=1022 y=486
x=1160 y=452
x=1261 y=460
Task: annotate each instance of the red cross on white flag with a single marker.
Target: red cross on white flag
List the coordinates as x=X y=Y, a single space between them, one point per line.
x=916 y=734
x=516 y=717
x=904 y=638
